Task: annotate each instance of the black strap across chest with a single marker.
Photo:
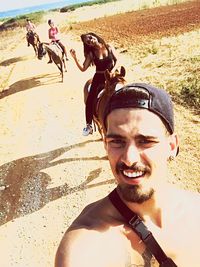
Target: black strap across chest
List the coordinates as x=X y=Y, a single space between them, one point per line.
x=136 y=223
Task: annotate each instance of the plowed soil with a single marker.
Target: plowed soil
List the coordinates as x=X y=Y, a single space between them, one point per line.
x=141 y=26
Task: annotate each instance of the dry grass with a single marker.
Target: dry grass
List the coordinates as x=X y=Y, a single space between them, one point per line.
x=171 y=63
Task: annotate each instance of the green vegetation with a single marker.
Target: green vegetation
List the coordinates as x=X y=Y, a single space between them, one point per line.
x=20 y=21
x=144 y=4
x=75 y=6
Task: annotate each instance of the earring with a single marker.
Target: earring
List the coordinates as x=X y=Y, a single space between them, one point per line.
x=171 y=158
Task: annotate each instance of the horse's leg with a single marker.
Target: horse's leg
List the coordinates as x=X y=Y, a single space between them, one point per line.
x=38 y=38
x=99 y=127
x=62 y=72
x=96 y=118
x=27 y=39
x=33 y=45
x=64 y=64
x=50 y=56
x=60 y=67
x=35 y=49
x=36 y=44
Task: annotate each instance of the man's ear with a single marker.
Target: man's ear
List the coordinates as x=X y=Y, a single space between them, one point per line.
x=173 y=145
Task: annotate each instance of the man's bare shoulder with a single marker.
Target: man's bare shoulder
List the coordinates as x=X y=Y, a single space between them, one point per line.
x=94 y=216
x=90 y=239
x=88 y=248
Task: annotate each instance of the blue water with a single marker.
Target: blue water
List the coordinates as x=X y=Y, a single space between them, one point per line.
x=44 y=7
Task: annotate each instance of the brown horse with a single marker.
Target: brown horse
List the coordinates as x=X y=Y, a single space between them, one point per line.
x=114 y=81
x=34 y=40
x=55 y=53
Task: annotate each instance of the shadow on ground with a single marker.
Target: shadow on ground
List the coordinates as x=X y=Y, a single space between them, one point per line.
x=29 y=83
x=24 y=184
x=10 y=61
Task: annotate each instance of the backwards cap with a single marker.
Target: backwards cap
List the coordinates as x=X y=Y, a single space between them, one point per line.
x=154 y=99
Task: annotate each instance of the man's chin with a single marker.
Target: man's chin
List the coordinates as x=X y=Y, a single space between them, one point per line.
x=133 y=193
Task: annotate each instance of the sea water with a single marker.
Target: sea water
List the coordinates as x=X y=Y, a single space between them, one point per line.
x=44 y=7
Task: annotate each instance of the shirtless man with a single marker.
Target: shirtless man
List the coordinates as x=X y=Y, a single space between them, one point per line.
x=140 y=141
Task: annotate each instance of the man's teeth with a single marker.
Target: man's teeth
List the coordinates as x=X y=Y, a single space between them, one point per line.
x=133 y=174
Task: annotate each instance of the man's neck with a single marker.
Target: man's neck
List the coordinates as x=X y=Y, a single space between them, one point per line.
x=152 y=209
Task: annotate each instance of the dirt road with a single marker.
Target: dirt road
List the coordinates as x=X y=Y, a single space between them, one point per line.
x=48 y=170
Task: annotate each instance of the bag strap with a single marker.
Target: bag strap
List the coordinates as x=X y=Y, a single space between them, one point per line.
x=141 y=230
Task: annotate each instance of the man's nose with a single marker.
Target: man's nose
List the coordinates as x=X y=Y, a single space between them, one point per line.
x=131 y=155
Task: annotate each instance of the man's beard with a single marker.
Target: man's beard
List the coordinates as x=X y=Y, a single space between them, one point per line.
x=134 y=193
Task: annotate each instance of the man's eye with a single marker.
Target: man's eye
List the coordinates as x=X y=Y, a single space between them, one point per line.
x=116 y=143
x=147 y=141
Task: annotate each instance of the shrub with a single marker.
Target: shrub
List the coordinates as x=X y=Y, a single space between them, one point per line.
x=190 y=92
x=74 y=6
x=19 y=21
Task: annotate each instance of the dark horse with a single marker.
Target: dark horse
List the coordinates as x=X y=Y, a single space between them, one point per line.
x=34 y=40
x=114 y=81
x=55 y=53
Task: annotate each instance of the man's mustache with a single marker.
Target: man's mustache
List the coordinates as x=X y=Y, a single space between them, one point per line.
x=121 y=166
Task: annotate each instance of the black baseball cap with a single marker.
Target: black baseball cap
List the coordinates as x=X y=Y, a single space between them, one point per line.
x=154 y=99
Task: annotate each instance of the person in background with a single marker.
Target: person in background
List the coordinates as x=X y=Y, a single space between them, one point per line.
x=53 y=34
x=140 y=141
x=97 y=52
x=31 y=29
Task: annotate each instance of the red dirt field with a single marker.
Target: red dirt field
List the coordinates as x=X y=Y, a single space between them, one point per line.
x=135 y=27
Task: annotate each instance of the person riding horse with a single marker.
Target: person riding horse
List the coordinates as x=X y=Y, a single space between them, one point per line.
x=53 y=33
x=114 y=80
x=99 y=53
x=31 y=31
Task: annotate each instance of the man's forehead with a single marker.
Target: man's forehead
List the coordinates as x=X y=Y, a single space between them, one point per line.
x=142 y=119
x=134 y=113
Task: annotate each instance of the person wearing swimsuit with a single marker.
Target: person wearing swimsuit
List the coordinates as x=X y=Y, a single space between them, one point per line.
x=100 y=54
x=53 y=33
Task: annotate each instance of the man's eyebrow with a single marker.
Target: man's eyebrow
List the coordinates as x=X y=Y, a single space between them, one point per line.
x=138 y=136
x=146 y=136
x=114 y=136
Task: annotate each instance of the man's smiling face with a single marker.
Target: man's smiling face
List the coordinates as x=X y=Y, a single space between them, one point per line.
x=138 y=146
